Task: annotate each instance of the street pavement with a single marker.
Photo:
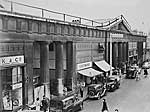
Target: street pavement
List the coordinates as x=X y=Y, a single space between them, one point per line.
x=132 y=96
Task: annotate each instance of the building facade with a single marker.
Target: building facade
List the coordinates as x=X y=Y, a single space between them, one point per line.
x=40 y=57
x=147 y=51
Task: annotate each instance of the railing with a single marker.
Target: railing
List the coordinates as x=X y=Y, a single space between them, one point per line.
x=41 y=13
x=45 y=13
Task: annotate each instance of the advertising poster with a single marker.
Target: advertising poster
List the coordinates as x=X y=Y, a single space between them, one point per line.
x=38 y=93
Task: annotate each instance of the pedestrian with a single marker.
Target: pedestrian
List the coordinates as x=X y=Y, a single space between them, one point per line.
x=81 y=91
x=65 y=91
x=44 y=103
x=116 y=110
x=138 y=74
x=104 y=106
x=37 y=104
x=145 y=72
x=82 y=85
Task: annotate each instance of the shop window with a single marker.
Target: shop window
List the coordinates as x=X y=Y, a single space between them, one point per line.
x=100 y=48
x=12 y=88
x=16 y=75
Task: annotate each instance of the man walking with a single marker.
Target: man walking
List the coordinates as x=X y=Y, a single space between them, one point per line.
x=44 y=104
x=104 y=107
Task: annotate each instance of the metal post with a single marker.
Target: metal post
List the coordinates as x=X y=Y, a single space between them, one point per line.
x=11 y=6
x=80 y=20
x=92 y=23
x=42 y=13
x=64 y=17
x=110 y=36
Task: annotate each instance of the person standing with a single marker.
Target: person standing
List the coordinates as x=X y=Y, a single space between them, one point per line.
x=104 y=106
x=116 y=110
x=145 y=72
x=44 y=104
x=81 y=91
x=82 y=85
x=37 y=104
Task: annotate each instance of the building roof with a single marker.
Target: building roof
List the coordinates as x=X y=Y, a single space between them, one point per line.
x=117 y=23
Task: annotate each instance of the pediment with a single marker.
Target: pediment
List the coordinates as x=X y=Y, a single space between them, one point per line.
x=121 y=26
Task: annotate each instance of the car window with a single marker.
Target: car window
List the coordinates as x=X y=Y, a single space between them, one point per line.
x=110 y=79
x=99 y=87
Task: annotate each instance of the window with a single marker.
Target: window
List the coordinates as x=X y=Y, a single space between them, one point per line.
x=16 y=75
x=51 y=47
x=100 y=48
x=12 y=88
x=36 y=80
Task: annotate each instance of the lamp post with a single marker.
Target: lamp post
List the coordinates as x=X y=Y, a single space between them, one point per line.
x=110 y=40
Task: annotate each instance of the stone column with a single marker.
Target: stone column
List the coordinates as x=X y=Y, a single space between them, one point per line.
x=44 y=67
x=127 y=51
x=123 y=52
x=108 y=52
x=1 y=97
x=119 y=53
x=24 y=87
x=28 y=73
x=106 y=46
x=59 y=67
x=69 y=63
x=114 y=54
x=140 y=52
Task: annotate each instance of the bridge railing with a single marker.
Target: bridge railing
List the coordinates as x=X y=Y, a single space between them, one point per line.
x=45 y=13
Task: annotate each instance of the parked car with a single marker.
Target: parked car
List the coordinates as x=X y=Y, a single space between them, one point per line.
x=113 y=83
x=146 y=65
x=96 y=90
x=66 y=104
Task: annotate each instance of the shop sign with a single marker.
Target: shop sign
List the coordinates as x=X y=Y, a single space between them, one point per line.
x=116 y=35
x=16 y=86
x=11 y=60
x=84 y=65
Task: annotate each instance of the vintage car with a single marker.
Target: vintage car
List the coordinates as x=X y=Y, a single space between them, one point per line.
x=113 y=82
x=146 y=65
x=66 y=104
x=96 y=90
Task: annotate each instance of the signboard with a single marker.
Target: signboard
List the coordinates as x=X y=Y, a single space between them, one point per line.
x=11 y=60
x=84 y=65
x=16 y=86
x=116 y=35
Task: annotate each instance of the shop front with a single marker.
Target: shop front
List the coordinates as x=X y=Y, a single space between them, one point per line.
x=104 y=66
x=87 y=74
x=11 y=78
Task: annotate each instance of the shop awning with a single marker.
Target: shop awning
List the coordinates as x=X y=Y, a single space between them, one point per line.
x=103 y=65
x=90 y=72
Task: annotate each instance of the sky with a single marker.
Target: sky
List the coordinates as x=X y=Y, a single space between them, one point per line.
x=135 y=11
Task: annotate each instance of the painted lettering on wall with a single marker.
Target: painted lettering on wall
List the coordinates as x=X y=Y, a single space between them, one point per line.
x=11 y=60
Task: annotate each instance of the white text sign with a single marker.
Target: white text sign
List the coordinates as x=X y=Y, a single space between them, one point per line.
x=84 y=65
x=11 y=60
